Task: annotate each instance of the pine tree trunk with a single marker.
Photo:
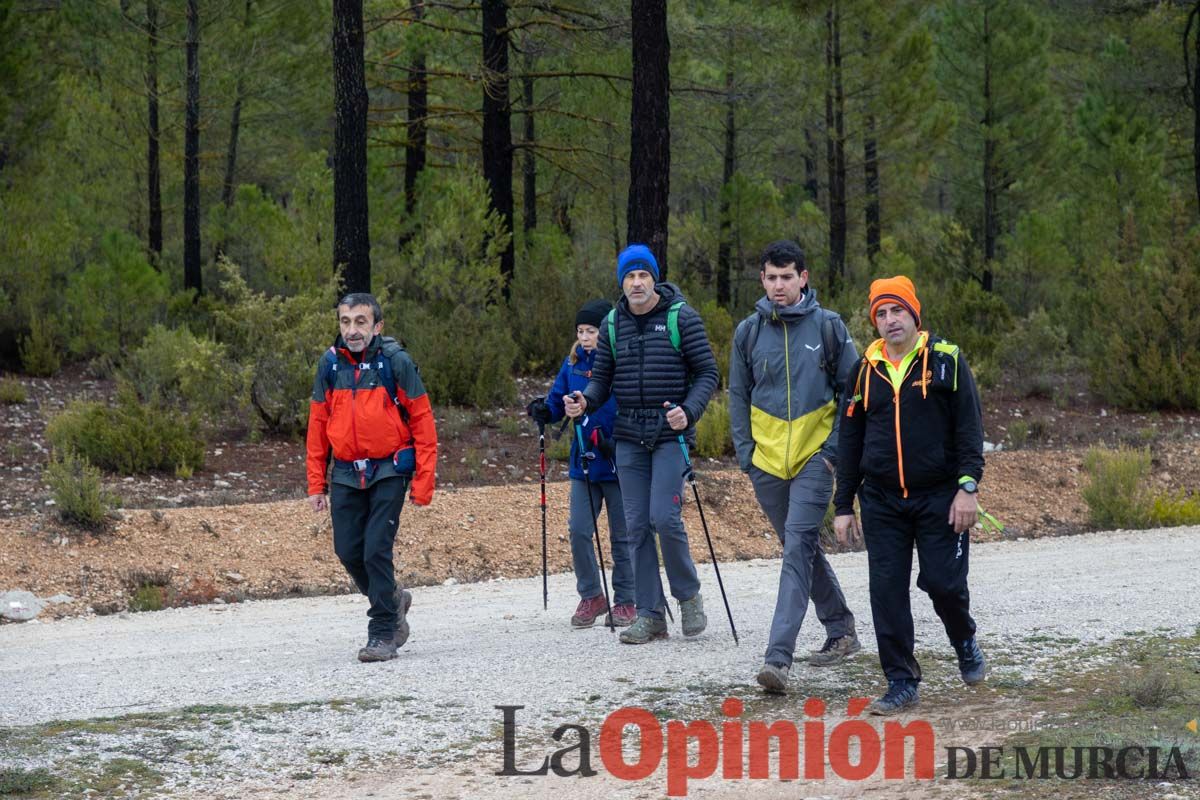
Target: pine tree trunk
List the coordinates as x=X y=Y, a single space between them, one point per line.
x=650 y=131
x=728 y=168
x=990 y=211
x=351 y=234
x=835 y=124
x=1196 y=106
x=529 y=165
x=235 y=124
x=497 y=127
x=415 y=132
x=191 y=155
x=153 y=165
x=811 y=178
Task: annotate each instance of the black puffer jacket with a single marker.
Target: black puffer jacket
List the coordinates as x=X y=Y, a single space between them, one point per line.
x=650 y=371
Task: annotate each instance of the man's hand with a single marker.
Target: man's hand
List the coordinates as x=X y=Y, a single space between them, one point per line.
x=964 y=511
x=575 y=404
x=676 y=417
x=317 y=502
x=846 y=529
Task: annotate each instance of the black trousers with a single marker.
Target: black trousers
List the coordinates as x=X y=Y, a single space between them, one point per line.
x=891 y=525
x=364 y=531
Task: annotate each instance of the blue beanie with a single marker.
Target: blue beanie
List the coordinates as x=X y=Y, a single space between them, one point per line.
x=636 y=256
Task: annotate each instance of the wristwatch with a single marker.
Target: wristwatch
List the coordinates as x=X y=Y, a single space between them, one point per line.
x=970 y=486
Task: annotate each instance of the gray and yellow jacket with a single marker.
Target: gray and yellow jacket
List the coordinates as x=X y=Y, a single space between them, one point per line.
x=782 y=404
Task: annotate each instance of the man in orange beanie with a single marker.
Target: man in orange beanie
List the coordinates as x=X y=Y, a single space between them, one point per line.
x=911 y=446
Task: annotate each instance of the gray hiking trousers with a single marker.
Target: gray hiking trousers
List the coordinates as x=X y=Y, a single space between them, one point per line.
x=651 y=486
x=796 y=508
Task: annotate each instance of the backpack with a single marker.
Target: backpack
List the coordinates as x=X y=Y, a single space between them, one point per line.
x=383 y=365
x=672 y=327
x=831 y=345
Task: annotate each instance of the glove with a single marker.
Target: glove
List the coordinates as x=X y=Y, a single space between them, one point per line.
x=604 y=445
x=538 y=411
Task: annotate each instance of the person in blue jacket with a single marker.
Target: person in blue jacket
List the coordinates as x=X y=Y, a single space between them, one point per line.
x=597 y=435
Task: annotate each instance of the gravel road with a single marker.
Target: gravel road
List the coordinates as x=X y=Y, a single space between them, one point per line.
x=284 y=695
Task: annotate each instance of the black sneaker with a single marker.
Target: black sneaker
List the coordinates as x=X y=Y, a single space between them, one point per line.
x=378 y=650
x=971 y=663
x=901 y=694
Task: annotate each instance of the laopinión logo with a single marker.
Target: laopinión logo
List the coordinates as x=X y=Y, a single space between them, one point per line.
x=742 y=750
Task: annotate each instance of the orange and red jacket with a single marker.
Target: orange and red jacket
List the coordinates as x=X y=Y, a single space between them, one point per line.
x=353 y=413
x=912 y=428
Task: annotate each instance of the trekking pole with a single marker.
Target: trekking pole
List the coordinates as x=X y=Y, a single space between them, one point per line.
x=584 y=457
x=542 y=470
x=690 y=475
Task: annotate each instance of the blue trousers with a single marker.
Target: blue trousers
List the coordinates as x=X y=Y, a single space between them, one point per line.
x=796 y=509
x=652 y=486
x=582 y=525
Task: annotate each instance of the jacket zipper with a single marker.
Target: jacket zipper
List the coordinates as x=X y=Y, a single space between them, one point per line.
x=896 y=406
x=787 y=378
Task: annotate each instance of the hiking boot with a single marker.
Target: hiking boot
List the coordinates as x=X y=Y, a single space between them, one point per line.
x=901 y=694
x=835 y=650
x=692 y=611
x=587 y=611
x=971 y=663
x=773 y=678
x=622 y=615
x=403 y=603
x=378 y=650
x=643 y=630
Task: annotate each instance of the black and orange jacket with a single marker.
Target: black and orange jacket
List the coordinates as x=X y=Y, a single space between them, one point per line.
x=352 y=412
x=910 y=428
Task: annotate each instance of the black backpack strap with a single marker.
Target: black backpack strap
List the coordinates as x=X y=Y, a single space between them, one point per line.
x=832 y=341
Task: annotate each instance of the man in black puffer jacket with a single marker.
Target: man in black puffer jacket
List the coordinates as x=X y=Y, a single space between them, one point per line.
x=654 y=357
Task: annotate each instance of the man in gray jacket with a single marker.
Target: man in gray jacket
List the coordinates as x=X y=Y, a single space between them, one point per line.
x=790 y=359
x=654 y=357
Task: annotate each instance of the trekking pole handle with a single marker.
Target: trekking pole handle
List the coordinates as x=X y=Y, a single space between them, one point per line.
x=687 y=458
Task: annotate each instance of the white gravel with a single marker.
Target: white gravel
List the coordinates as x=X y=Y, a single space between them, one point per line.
x=474 y=647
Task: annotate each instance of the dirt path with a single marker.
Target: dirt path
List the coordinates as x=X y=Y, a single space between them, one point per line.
x=265 y=696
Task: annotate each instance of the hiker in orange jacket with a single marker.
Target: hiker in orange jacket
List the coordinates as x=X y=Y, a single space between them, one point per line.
x=369 y=407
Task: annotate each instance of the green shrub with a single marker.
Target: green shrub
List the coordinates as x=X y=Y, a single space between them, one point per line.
x=12 y=392
x=148 y=597
x=177 y=369
x=40 y=350
x=17 y=781
x=129 y=437
x=1115 y=495
x=1018 y=434
x=1168 y=510
x=278 y=340
x=114 y=299
x=718 y=324
x=79 y=494
x=713 y=438
x=548 y=287
x=466 y=357
x=1036 y=356
x=559 y=449
x=1147 y=356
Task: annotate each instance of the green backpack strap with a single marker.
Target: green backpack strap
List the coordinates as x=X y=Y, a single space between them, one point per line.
x=612 y=332
x=673 y=324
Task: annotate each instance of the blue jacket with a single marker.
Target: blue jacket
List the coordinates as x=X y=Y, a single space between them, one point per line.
x=571 y=378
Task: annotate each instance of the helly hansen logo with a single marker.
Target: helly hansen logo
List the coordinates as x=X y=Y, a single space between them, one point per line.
x=660 y=328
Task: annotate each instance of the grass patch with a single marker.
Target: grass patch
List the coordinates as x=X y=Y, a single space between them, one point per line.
x=12 y=392
x=24 y=782
x=1117 y=495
